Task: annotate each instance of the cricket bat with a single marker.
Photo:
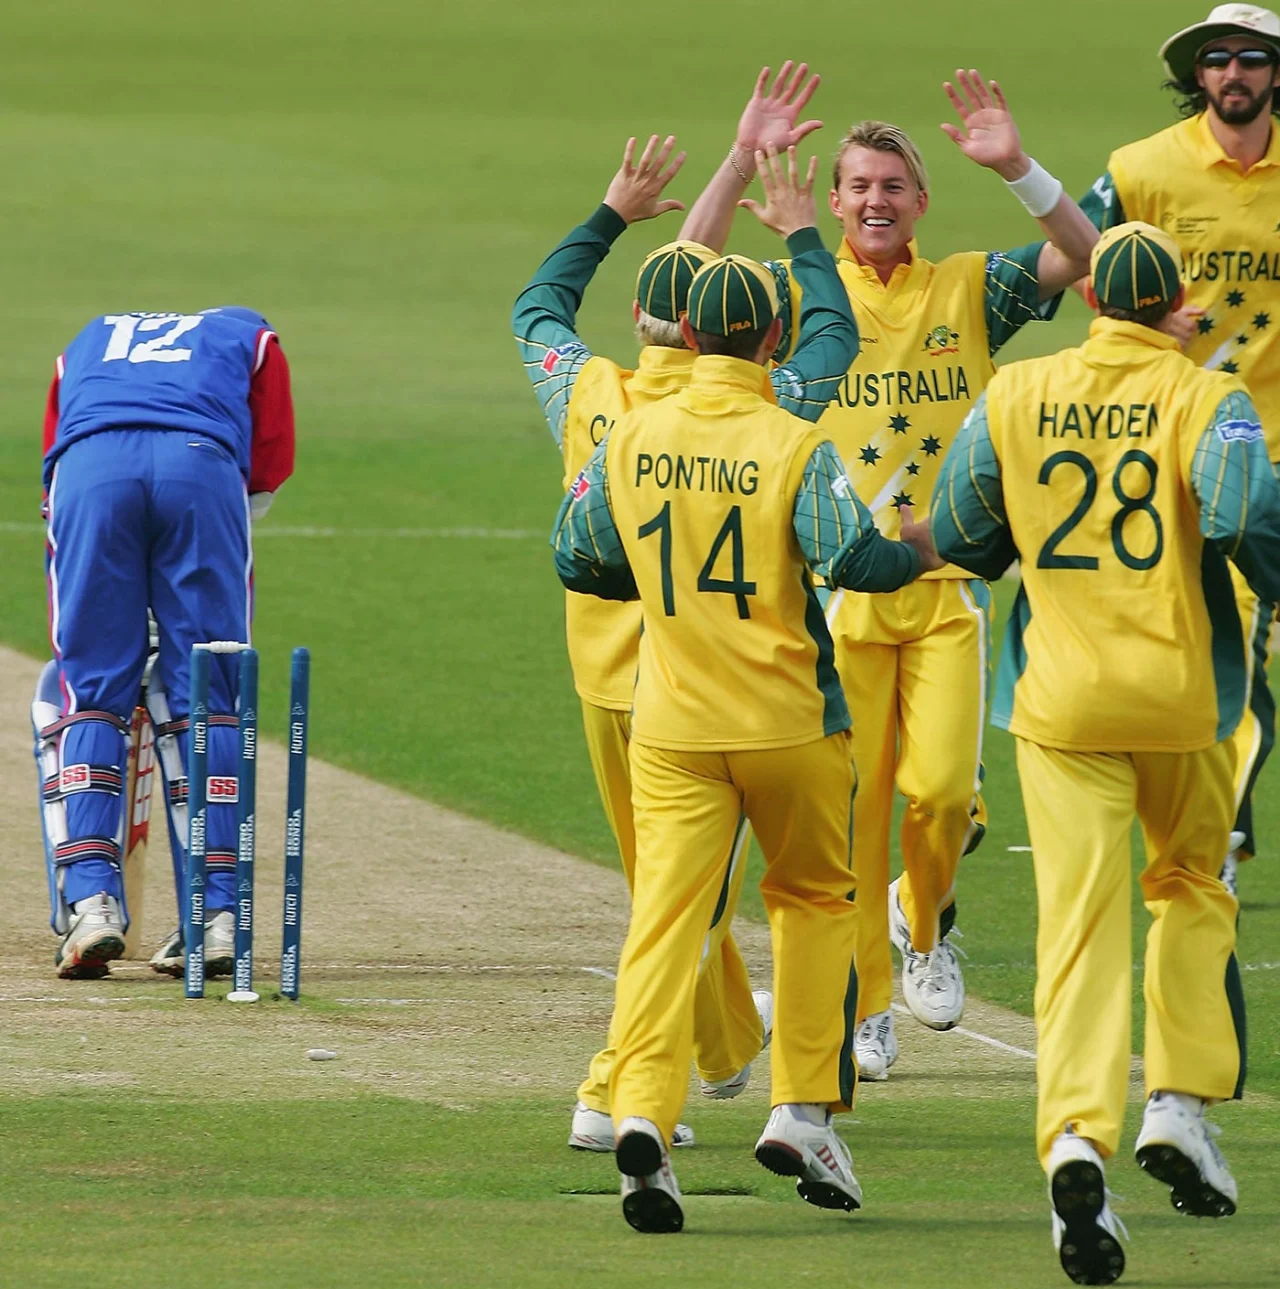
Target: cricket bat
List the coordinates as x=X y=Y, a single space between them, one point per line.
x=139 y=781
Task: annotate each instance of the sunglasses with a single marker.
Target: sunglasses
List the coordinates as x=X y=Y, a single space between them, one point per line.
x=1252 y=60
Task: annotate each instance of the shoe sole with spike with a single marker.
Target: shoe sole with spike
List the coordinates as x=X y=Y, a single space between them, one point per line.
x=1189 y=1193
x=1090 y=1255
x=653 y=1212
x=786 y=1161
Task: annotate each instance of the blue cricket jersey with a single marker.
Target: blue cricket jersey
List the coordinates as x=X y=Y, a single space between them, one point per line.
x=162 y=371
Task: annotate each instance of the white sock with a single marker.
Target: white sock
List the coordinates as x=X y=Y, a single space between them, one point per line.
x=810 y=1112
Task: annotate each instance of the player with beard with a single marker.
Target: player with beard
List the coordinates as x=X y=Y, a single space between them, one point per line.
x=1212 y=182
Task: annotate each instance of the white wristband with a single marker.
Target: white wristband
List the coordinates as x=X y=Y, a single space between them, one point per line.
x=1037 y=190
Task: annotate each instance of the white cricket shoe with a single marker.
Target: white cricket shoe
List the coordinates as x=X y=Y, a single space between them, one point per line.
x=1086 y=1233
x=792 y=1145
x=220 y=944
x=1176 y=1146
x=593 y=1130
x=727 y=1089
x=875 y=1047
x=932 y=983
x=95 y=938
x=168 y=959
x=650 y=1194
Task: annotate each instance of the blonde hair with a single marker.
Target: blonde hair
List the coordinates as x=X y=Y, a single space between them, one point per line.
x=659 y=332
x=880 y=136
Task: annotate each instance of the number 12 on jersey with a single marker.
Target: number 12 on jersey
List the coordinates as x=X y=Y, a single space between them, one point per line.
x=160 y=349
x=730 y=531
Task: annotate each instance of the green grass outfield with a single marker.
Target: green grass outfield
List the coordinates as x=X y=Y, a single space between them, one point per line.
x=387 y=1193
x=380 y=179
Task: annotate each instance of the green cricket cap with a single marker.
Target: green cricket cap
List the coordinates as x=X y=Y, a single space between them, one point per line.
x=662 y=287
x=732 y=294
x=1134 y=266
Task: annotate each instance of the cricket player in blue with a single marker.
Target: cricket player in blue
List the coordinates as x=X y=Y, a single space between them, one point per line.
x=163 y=433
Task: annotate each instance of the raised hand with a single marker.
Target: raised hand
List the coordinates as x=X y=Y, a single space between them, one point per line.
x=789 y=204
x=987 y=133
x=919 y=537
x=770 y=115
x=635 y=192
x=1182 y=324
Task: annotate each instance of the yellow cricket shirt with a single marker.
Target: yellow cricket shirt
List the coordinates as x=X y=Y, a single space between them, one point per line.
x=1099 y=464
x=602 y=634
x=928 y=336
x=1227 y=224
x=702 y=487
x=583 y=395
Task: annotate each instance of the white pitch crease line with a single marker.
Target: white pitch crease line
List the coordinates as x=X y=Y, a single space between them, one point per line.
x=1022 y=850
x=980 y=1038
x=600 y=971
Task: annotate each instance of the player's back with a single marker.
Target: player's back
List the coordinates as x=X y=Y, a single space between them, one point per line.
x=163 y=371
x=1117 y=634
x=735 y=653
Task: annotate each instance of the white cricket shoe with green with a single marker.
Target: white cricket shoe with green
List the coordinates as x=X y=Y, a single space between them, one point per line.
x=1086 y=1233
x=94 y=938
x=220 y=944
x=875 y=1047
x=1176 y=1146
x=651 y=1200
x=932 y=983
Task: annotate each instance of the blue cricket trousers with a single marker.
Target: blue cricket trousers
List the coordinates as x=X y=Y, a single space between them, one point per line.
x=138 y=519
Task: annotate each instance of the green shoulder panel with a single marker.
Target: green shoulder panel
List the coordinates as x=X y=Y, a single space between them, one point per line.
x=1013 y=660
x=589 y=554
x=1101 y=204
x=1011 y=295
x=1229 y=676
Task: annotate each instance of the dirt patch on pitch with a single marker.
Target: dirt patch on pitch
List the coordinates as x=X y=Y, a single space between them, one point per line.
x=443 y=959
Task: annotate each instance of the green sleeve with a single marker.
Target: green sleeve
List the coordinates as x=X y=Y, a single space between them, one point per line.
x=838 y=536
x=828 y=339
x=967 y=514
x=1239 y=497
x=588 y=549
x=1102 y=204
x=1011 y=293
x=782 y=284
x=546 y=313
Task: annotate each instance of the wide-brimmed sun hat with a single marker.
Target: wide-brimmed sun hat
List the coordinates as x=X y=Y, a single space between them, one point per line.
x=1179 y=51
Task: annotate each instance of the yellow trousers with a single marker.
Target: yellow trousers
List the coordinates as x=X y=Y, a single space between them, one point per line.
x=914 y=666
x=688 y=812
x=726 y=1032
x=1255 y=736
x=1080 y=810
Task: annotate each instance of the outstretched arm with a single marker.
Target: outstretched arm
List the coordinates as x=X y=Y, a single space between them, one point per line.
x=840 y=540
x=828 y=336
x=588 y=550
x=769 y=119
x=988 y=136
x=544 y=319
x=969 y=522
x=1239 y=497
